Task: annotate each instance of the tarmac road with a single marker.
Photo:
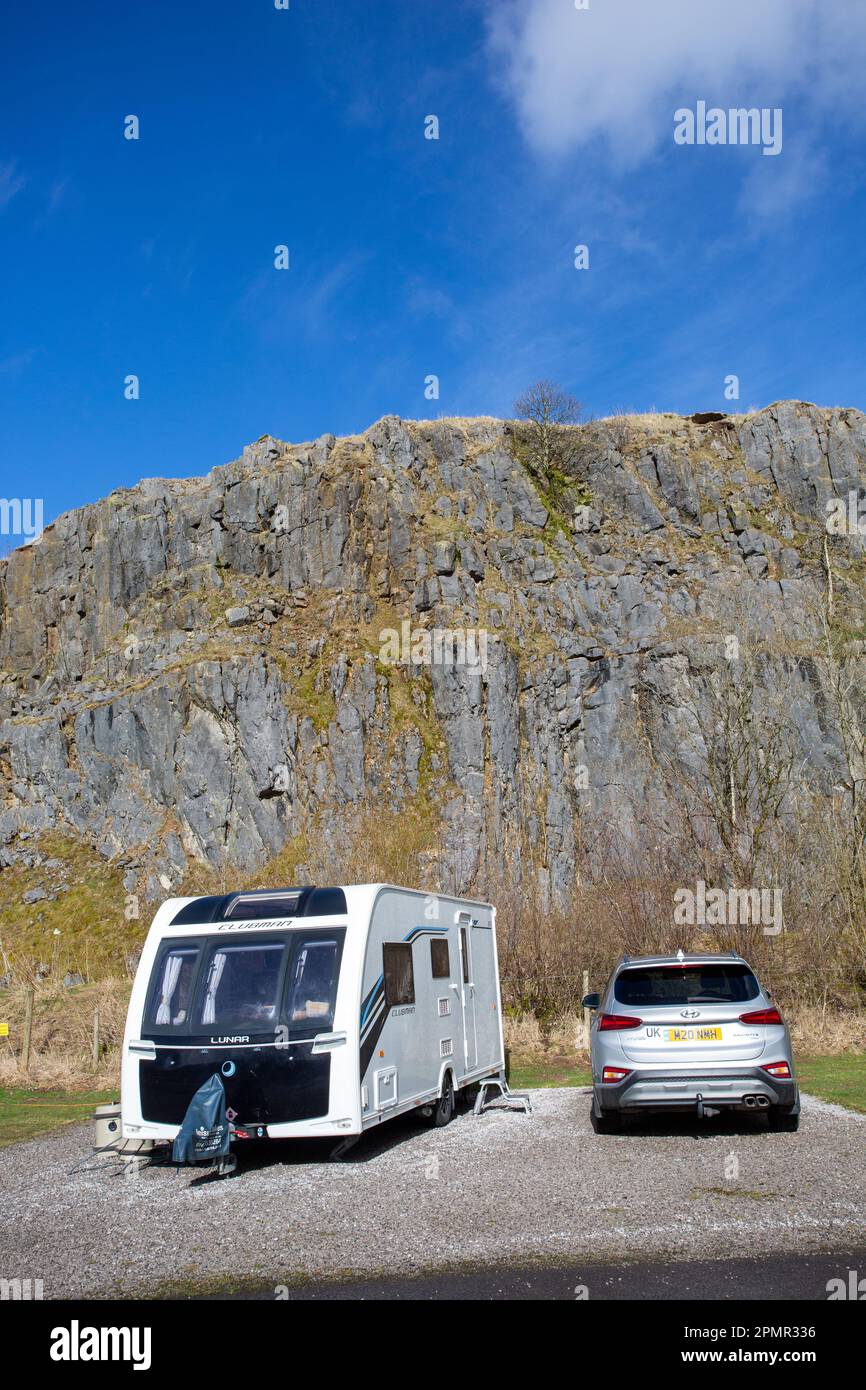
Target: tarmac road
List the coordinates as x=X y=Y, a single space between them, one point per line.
x=789 y=1277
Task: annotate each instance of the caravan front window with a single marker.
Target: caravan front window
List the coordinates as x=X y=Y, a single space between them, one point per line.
x=242 y=986
x=233 y=984
x=170 y=1001
x=314 y=982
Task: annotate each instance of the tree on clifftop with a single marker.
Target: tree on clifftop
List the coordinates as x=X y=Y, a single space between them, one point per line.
x=548 y=442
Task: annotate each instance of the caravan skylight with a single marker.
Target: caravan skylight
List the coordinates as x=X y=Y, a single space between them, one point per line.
x=255 y=906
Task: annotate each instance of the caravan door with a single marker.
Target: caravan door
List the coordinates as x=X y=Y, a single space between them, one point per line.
x=485 y=995
x=467 y=994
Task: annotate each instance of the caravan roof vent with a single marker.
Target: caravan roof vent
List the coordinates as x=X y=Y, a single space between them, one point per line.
x=256 y=906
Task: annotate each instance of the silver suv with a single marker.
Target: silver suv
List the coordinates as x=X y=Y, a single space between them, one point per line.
x=689 y=1033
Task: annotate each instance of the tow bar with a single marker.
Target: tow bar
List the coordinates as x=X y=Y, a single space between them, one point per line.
x=705 y=1111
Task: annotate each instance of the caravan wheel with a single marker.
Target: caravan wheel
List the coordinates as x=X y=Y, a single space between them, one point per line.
x=444 y=1109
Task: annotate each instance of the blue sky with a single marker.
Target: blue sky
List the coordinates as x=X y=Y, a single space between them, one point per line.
x=409 y=257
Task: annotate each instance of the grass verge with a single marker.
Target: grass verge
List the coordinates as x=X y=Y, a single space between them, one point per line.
x=839 y=1079
x=526 y=1073
x=26 y=1114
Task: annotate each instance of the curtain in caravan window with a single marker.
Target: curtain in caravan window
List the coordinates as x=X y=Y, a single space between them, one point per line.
x=398 y=973
x=171 y=986
x=242 y=985
x=170 y=977
x=314 y=983
x=217 y=966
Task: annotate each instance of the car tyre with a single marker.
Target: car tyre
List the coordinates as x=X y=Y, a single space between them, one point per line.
x=783 y=1121
x=610 y=1123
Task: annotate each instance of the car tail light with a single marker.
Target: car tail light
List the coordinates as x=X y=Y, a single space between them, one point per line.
x=763 y=1016
x=777 y=1069
x=615 y=1073
x=608 y=1021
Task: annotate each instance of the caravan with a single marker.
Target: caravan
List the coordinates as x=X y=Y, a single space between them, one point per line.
x=324 y=1010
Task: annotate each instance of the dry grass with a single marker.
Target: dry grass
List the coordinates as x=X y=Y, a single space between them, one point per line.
x=61 y=1048
x=814 y=1032
x=826 y=1032
x=564 y=1037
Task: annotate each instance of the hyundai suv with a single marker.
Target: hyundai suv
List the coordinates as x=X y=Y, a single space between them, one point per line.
x=689 y=1033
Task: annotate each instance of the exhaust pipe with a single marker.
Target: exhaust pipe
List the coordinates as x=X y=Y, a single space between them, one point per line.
x=750 y=1101
x=762 y=1102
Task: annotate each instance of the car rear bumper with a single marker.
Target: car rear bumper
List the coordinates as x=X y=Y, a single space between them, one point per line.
x=743 y=1088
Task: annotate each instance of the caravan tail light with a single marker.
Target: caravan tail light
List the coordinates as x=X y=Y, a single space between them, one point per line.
x=614 y=1074
x=762 y=1016
x=608 y=1021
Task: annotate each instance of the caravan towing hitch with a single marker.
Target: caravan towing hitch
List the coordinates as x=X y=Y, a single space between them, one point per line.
x=705 y=1111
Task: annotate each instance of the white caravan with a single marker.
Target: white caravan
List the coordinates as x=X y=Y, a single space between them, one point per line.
x=324 y=1010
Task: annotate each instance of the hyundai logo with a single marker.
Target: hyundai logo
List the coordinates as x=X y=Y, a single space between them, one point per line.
x=690 y=1013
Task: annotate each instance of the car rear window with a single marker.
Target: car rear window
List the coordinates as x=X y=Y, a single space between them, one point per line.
x=647 y=985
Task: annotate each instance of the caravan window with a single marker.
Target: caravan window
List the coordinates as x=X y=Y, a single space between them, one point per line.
x=440 y=960
x=172 y=989
x=233 y=984
x=313 y=984
x=398 y=973
x=241 y=987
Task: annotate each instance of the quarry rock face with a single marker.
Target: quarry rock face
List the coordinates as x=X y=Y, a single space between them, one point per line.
x=201 y=670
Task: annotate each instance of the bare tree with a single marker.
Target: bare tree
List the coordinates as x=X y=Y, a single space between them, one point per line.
x=841 y=663
x=548 y=440
x=749 y=765
x=732 y=788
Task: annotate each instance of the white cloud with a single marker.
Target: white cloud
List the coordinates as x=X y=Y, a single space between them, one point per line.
x=615 y=73
x=10 y=182
x=767 y=193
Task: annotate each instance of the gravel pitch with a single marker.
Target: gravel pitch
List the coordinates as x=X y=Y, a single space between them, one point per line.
x=504 y=1188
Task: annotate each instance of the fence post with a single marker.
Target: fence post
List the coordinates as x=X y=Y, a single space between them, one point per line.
x=586 y=1011
x=28 y=1027
x=96 y=1036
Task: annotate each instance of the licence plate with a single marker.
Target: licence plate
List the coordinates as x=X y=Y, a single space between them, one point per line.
x=692 y=1034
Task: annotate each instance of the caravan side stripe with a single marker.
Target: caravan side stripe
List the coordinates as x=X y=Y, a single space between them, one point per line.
x=365 y=1007
x=375 y=1012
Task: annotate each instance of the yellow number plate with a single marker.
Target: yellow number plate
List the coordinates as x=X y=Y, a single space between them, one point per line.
x=693 y=1035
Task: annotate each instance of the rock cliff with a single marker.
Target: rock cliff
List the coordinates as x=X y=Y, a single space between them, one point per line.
x=197 y=671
